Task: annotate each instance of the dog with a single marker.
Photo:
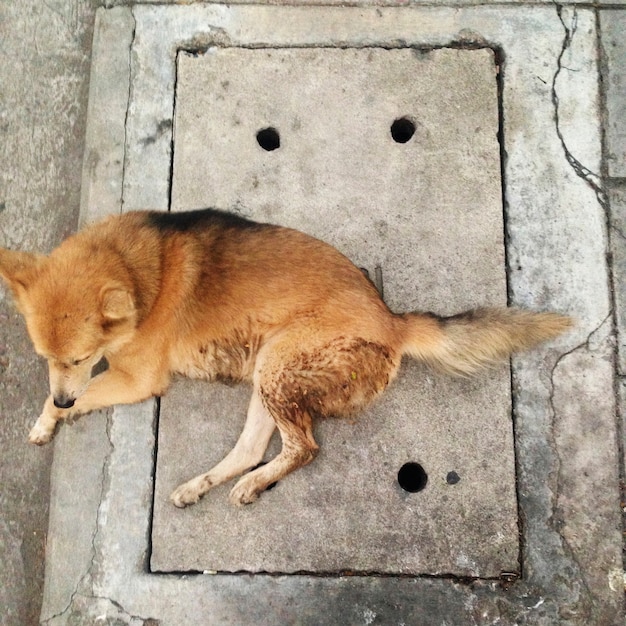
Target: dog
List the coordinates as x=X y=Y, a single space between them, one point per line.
x=121 y=307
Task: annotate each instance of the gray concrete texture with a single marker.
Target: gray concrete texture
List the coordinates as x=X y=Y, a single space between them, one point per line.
x=613 y=27
x=566 y=435
x=44 y=78
x=408 y=209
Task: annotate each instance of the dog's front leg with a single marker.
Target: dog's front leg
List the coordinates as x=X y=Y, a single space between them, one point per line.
x=43 y=430
x=109 y=388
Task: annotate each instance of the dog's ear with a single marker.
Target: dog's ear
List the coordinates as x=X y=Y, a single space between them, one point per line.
x=17 y=269
x=116 y=302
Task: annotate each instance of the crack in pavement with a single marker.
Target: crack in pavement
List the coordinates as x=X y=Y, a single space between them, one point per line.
x=555 y=518
x=103 y=486
x=618 y=230
x=121 y=612
x=112 y=610
x=592 y=179
x=128 y=103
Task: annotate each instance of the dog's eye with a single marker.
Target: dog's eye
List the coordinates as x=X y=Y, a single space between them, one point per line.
x=79 y=361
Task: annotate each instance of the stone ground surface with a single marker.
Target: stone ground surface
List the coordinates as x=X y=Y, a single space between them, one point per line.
x=568 y=467
x=43 y=104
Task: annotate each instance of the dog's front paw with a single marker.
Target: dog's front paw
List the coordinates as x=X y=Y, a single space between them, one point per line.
x=189 y=492
x=245 y=491
x=41 y=433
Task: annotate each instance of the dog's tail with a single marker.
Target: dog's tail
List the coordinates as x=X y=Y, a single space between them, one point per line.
x=464 y=343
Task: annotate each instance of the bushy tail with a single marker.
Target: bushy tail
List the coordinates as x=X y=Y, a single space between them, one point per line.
x=464 y=343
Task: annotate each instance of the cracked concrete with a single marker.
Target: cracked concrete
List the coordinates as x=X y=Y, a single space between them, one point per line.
x=569 y=20
x=98 y=611
x=586 y=489
x=83 y=505
x=103 y=169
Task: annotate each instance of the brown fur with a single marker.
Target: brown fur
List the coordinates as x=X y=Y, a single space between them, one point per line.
x=209 y=295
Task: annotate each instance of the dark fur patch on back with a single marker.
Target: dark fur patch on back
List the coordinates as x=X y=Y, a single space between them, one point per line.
x=184 y=221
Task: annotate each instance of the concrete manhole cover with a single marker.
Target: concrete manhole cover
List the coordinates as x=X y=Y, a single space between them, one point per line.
x=368 y=150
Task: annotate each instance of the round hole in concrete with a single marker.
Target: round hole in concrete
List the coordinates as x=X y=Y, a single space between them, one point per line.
x=402 y=129
x=452 y=478
x=268 y=139
x=412 y=477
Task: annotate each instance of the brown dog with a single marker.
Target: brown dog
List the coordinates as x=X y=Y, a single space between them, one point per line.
x=210 y=295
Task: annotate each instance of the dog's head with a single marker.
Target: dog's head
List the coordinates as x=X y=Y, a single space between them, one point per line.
x=76 y=314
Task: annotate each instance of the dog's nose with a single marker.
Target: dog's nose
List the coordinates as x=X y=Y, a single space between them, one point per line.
x=64 y=403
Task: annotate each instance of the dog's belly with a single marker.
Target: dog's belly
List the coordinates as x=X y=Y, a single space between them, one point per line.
x=227 y=361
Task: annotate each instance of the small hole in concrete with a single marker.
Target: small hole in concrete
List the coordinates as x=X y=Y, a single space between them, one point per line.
x=452 y=478
x=268 y=139
x=271 y=485
x=412 y=477
x=402 y=129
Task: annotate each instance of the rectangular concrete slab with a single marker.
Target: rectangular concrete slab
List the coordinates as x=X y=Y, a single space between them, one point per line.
x=424 y=217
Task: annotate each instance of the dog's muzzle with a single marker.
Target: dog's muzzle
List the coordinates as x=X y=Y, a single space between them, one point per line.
x=64 y=403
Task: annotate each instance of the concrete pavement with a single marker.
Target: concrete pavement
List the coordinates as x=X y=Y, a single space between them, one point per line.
x=44 y=78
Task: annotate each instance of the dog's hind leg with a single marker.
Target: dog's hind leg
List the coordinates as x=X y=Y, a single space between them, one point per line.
x=299 y=448
x=336 y=377
x=247 y=453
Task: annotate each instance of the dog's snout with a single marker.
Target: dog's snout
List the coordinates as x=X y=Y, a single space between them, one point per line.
x=64 y=403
